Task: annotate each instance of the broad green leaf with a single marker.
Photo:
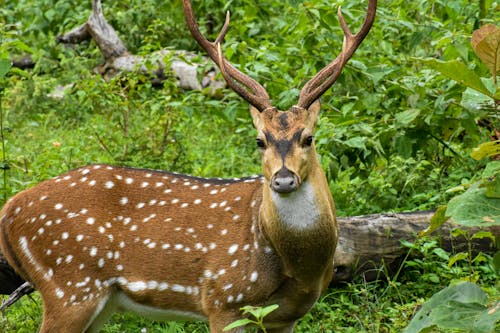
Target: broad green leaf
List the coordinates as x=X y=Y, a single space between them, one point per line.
x=356 y=142
x=377 y=73
x=473 y=208
x=487 y=319
x=460 y=295
x=268 y=309
x=484 y=234
x=459 y=72
x=486 y=43
x=496 y=262
x=259 y=312
x=441 y=253
x=238 y=323
x=5 y=66
x=437 y=220
x=457 y=257
x=406 y=117
x=493 y=187
x=475 y=101
x=491 y=179
x=492 y=169
x=456 y=315
x=486 y=149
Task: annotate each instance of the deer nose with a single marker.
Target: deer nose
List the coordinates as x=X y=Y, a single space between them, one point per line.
x=284 y=181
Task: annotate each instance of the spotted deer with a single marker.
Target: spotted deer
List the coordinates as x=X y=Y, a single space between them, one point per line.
x=101 y=238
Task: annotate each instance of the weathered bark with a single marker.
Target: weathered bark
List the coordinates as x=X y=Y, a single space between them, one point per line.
x=24 y=289
x=370 y=242
x=159 y=66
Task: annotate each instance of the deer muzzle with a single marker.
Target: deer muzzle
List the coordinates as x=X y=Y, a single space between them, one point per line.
x=284 y=181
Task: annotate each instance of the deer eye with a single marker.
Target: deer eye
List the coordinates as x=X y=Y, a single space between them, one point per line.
x=308 y=141
x=260 y=143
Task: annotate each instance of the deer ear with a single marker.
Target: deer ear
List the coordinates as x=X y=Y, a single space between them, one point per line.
x=256 y=116
x=313 y=114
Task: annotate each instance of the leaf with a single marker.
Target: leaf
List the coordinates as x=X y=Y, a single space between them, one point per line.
x=238 y=323
x=456 y=315
x=496 y=262
x=437 y=220
x=441 y=253
x=491 y=179
x=486 y=43
x=356 y=142
x=457 y=257
x=259 y=312
x=459 y=72
x=493 y=187
x=268 y=309
x=492 y=169
x=473 y=208
x=406 y=117
x=487 y=319
x=475 y=101
x=5 y=65
x=462 y=298
x=484 y=234
x=490 y=148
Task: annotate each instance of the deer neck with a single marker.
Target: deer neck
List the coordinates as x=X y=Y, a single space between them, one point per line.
x=301 y=227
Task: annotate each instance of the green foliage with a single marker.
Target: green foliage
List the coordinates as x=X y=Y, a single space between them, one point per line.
x=458 y=307
x=474 y=208
x=463 y=307
x=258 y=314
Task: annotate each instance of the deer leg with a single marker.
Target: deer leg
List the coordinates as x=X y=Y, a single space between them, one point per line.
x=85 y=317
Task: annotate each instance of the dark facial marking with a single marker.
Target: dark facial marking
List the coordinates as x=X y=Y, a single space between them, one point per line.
x=283 y=146
x=283 y=119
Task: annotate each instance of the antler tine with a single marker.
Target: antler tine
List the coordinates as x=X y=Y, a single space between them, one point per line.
x=249 y=89
x=324 y=79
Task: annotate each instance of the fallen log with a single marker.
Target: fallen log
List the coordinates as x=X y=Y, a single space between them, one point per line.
x=370 y=245
x=191 y=71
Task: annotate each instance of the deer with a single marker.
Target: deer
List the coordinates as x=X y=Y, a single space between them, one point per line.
x=101 y=238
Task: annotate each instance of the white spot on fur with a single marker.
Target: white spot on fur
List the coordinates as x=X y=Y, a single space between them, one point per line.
x=232 y=249
x=59 y=293
x=254 y=276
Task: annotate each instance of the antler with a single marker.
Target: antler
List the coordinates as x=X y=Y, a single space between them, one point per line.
x=324 y=79
x=249 y=89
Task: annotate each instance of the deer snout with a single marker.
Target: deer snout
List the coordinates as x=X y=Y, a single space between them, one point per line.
x=284 y=181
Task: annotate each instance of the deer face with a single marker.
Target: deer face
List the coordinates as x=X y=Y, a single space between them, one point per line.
x=286 y=144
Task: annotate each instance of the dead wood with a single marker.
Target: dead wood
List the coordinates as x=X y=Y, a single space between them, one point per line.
x=370 y=244
x=191 y=71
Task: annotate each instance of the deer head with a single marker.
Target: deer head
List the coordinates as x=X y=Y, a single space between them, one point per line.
x=285 y=139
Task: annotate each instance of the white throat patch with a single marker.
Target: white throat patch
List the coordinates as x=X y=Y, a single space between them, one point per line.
x=297 y=209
